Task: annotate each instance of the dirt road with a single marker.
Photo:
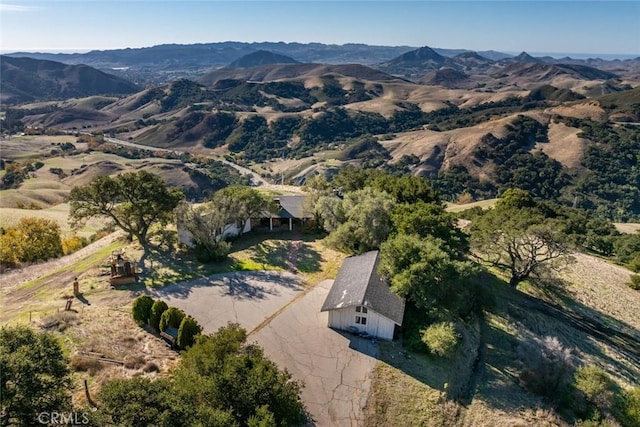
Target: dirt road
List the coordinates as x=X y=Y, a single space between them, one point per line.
x=255 y=178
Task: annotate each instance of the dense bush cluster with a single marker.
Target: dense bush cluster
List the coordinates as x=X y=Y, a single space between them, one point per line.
x=31 y=240
x=16 y=173
x=220 y=381
x=160 y=316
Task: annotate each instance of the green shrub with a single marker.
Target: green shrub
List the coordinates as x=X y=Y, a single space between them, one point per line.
x=141 y=308
x=217 y=253
x=596 y=386
x=157 y=309
x=171 y=317
x=630 y=411
x=441 y=338
x=187 y=332
x=634 y=264
x=634 y=282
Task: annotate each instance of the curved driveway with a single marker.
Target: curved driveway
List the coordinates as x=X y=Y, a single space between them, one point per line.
x=285 y=319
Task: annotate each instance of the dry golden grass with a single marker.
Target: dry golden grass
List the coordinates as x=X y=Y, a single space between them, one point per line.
x=564 y=145
x=59 y=213
x=582 y=110
x=382 y=106
x=601 y=286
x=484 y=204
x=421 y=143
x=112 y=334
x=463 y=143
x=397 y=399
x=629 y=228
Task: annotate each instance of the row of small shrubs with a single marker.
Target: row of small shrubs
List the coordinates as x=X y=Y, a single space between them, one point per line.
x=160 y=316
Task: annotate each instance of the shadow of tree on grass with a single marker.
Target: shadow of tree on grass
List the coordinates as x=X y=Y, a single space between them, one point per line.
x=510 y=319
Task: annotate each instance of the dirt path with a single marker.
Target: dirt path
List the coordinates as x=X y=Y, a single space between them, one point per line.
x=15 y=277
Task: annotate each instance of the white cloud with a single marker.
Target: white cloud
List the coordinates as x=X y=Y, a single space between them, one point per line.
x=17 y=8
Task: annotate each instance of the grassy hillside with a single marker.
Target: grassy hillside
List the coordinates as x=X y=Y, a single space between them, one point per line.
x=41 y=170
x=473 y=143
x=622 y=106
x=58 y=213
x=27 y=79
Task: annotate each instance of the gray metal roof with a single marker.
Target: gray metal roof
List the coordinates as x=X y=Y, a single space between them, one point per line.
x=291 y=207
x=358 y=283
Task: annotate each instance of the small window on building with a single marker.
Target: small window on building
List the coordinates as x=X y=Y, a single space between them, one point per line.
x=359 y=319
x=358 y=309
x=363 y=321
x=364 y=310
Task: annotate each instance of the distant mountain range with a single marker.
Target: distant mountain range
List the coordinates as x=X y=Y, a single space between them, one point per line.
x=223 y=53
x=165 y=63
x=450 y=116
x=28 y=79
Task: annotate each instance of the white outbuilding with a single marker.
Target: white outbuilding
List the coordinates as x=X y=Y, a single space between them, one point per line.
x=360 y=300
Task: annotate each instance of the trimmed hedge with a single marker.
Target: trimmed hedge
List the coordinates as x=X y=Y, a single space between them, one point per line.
x=157 y=310
x=187 y=332
x=141 y=308
x=171 y=317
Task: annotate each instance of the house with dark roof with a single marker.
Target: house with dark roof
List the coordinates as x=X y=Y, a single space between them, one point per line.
x=291 y=213
x=361 y=299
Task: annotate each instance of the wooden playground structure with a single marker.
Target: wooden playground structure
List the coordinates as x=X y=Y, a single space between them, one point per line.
x=123 y=269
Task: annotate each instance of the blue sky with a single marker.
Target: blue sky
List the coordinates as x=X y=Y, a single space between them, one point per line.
x=608 y=27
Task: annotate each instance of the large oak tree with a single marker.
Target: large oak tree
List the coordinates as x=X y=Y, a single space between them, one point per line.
x=359 y=222
x=516 y=237
x=134 y=201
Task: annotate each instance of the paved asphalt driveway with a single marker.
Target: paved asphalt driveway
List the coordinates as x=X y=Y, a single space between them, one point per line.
x=247 y=298
x=335 y=367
